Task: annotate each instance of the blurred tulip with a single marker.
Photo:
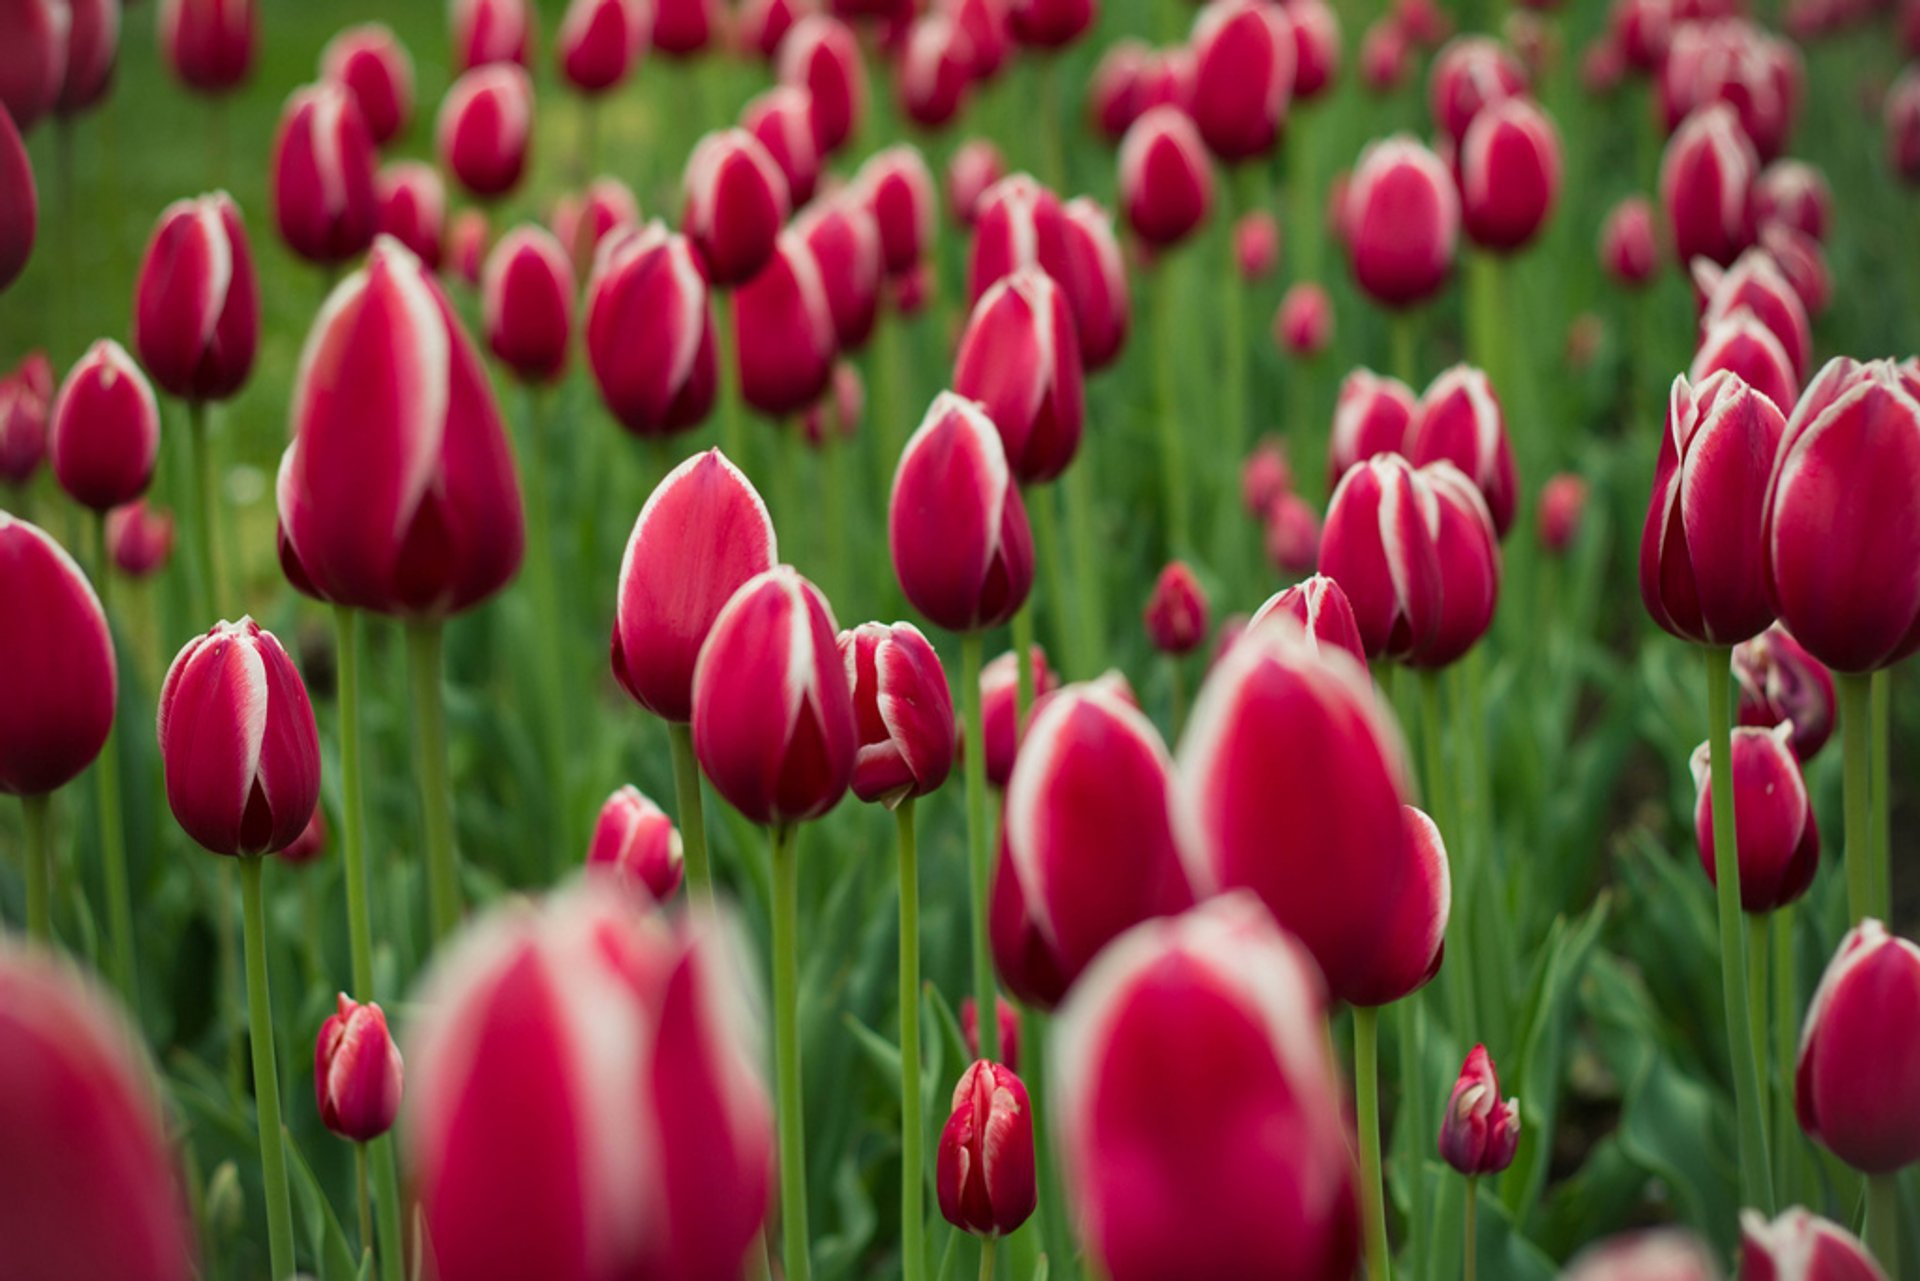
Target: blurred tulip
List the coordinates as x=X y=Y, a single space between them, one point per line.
x=1471 y=73
x=1423 y=21
x=92 y=47
x=1316 y=45
x=485 y=128
x=1803 y=263
x=1303 y=326
x=1292 y=537
x=196 y=306
x=934 y=71
x=1024 y=959
x=1378 y=544
x=1661 y=1254
x=682 y=28
x=377 y=71
x=784 y=331
x=1730 y=61
x=903 y=713
x=1020 y=360
x=1256 y=245
x=778 y=120
x=1096 y=281
x=488 y=31
x=634 y=839
x=974 y=166
x=23 y=430
x=737 y=200
x=1384 y=57
x=1628 y=248
x=836 y=415
x=581 y=222
x=984 y=1167
x=1019 y=223
x=1509 y=174
x=467 y=245
x=356 y=1071
x=1563 y=505
x=1755 y=284
x=1244 y=57
x=1323 y=612
x=209 y=44
x=1166 y=180
x=33 y=34
x=413 y=210
x=840 y=232
x=1050 y=24
x=1902 y=123
x=998 y=693
x=648 y=332
x=1468 y=558
x=19 y=203
x=1264 y=477
x=1794 y=193
x=526 y=302
x=1801 y=1246
x=1176 y=615
x=760 y=25
x=104 y=434
x=58 y=681
x=821 y=56
x=311 y=844
x=989 y=38
x=1459 y=420
x=323 y=162
x=1777 y=839
x=1009 y=1020
x=1116 y=93
x=600 y=41
x=1479 y=1133
x=1402 y=221
x=1781 y=684
x=1706 y=179
x=1857 y=1080
x=1741 y=344
x=899 y=190
x=1373 y=415
x=139 y=538
x=1183 y=1054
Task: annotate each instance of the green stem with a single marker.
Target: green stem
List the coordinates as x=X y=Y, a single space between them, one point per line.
x=913 y=1248
x=1047 y=549
x=890 y=411
x=1303 y=224
x=39 y=869
x=1756 y=1176
x=546 y=608
x=436 y=797
x=206 y=496
x=113 y=836
x=1856 y=731
x=1757 y=957
x=733 y=422
x=362 y=1201
x=786 y=1036
x=1176 y=698
x=1406 y=357
x=1366 y=1091
x=1414 y=1099
x=1233 y=373
x=1470 y=1245
x=1173 y=470
x=1087 y=628
x=1883 y=1223
x=693 y=823
x=987 y=1247
x=979 y=866
x=1786 y=1029
x=1881 y=793
x=1439 y=798
x=1022 y=667
x=266 y=1082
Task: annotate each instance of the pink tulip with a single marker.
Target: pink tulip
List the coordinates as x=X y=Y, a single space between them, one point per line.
x=1469 y=74
x=1373 y=415
x=974 y=167
x=1479 y=1133
x=489 y=31
x=1740 y=344
x=377 y=71
x=1316 y=45
x=58 y=681
x=1777 y=840
x=760 y=25
x=935 y=70
x=1781 y=684
x=1378 y=544
x=703 y=533
x=93 y=43
x=844 y=239
x=1385 y=57
x=1166 y=180
x=1244 y=58
x=311 y=844
x=323 y=162
x=1642 y=29
x=581 y=222
x=778 y=119
x=600 y=42
x=998 y=692
x=1467 y=554
x=902 y=713
x=356 y=1071
x=1323 y=613
x=635 y=840
x=104 y=436
x=989 y=36
x=1802 y=261
x=1096 y=281
x=648 y=333
x=737 y=201
x=413 y=210
x=139 y=538
x=1563 y=504
x=1303 y=325
x=1509 y=174
x=1195 y=1107
x=398 y=493
x=1661 y=1254
x=1706 y=181
x=897 y=187
x=33 y=34
x=1628 y=248
x=1801 y=1246
x=1050 y=24
x=1402 y=220
x=1256 y=245
x=1731 y=61
x=821 y=56
x=1020 y=359
x=23 y=430
x=1902 y=124
x=209 y=44
x=784 y=332
x=1857 y=1081
x=467 y=245
x=1116 y=93
x=196 y=307
x=682 y=28
x=1794 y=193
x=19 y=203
x=984 y=1166
x=1176 y=613
x=526 y=301
x=1756 y=284
x=485 y=128
x=1009 y=1020
x=1018 y=223
x=1292 y=536
x=1264 y=477
x=1459 y=420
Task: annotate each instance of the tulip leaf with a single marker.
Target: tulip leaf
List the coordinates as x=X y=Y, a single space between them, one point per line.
x=882 y=1053
x=1503 y=1253
x=856 y=1220
x=325 y=1238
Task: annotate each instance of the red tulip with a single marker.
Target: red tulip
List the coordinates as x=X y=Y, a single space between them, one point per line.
x=974 y=167
x=196 y=308
x=1327 y=844
x=648 y=333
x=581 y=222
x=1009 y=1021
x=1729 y=60
x=1096 y=281
x=311 y=844
x=105 y=429
x=902 y=713
x=1292 y=537
x=1803 y=263
x=93 y=43
x=467 y=245
x=1777 y=839
x=1303 y=325
x=23 y=430
x=737 y=201
x=485 y=128
x=1702 y=567
x=33 y=34
x=1659 y=1254
x=209 y=44
x=1256 y=246
x=1642 y=29
x=984 y=1167
x=488 y=31
x=323 y=162
x=773 y=723
x=934 y=71
x=398 y=493
x=634 y=839
x=1373 y=415
x=1628 y=249
x=19 y=203
x=1857 y=1081
x=1902 y=120
x=376 y=69
x=1742 y=345
x=1840 y=557
x=1459 y=421
x=821 y=56
x=682 y=28
x=1402 y=220
x=840 y=232
x=1423 y=21
x=1467 y=555
x=1265 y=475
x=1706 y=181
x=955 y=524
x=1794 y=193
x=1756 y=284
x=356 y=1071
x=1323 y=613
x=760 y=25
x=57 y=678
x=998 y=694
x=139 y=538
x=1244 y=57
x=1316 y=46
x=1801 y=1246
x=555 y=1035
x=837 y=414
x=898 y=189
x=703 y=533
x=526 y=300
x=1781 y=684
x=1020 y=359
x=1385 y=57
x=1050 y=24
x=1024 y=959
x=1509 y=173
x=1166 y=180
x=1478 y=1133
x=1563 y=502
x=783 y=331
x=92 y=1187
x=1195 y=1107
x=989 y=37
x=1116 y=95
x=1176 y=613
x=413 y=210
x=36 y=371
x=1018 y=223
x=1471 y=73
x=600 y=41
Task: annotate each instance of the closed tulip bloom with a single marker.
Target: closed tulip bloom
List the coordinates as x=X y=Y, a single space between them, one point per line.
x=93 y=43
x=737 y=201
x=526 y=301
x=105 y=429
x=1244 y=66
x=703 y=533
x=600 y=41
x=1756 y=284
x=1303 y=326
x=209 y=44
x=23 y=430
x=1096 y=281
x=1196 y=1109
x=1781 y=684
x=1116 y=93
x=57 y=678
x=1478 y=1132
x=773 y=722
x=840 y=232
x=1777 y=839
x=1019 y=223
x=1802 y=1246
x=1292 y=537
x=760 y=25
x=1459 y=420
x=1842 y=560
x=1264 y=477
x=1628 y=248
x=999 y=690
x=1741 y=344
x=974 y=167
x=1857 y=1080
x=1316 y=47
x=553 y=1035
x=1471 y=73
x=1902 y=122
x=1467 y=554
x=682 y=28
x=1020 y=359
x=1563 y=503
x=1323 y=612
x=1372 y=415
x=1402 y=219
x=1024 y=958
x=311 y=844
x=1364 y=883
x=1509 y=173
x=398 y=493
x=1176 y=615
x=1050 y=24
x=778 y=119
x=934 y=70
x=356 y=1071
x=1794 y=193
x=784 y=331
x=1385 y=56
x=581 y=222
x=19 y=203
x=957 y=529
x=898 y=188
x=648 y=331
x=984 y=1166
x=467 y=245
x=34 y=65
x=323 y=162
x=196 y=306
x=1730 y=60
x=485 y=126
x=37 y=372
x=139 y=538
x=1802 y=261
x=1166 y=180
x=1378 y=544
x=633 y=838
x=1702 y=566
x=487 y=31
x=821 y=56
x=902 y=713
x=1659 y=1254
x=989 y=38
x=1256 y=245
x=1009 y=1020
x=1706 y=182
x=378 y=71
x=92 y=1186
x=413 y=209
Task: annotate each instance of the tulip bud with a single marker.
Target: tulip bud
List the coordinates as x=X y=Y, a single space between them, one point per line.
x=488 y=31
x=34 y=33
x=1180 y=1032
x=1740 y=344
x=821 y=56
x=93 y=43
x=955 y=524
x=1166 y=180
x=1729 y=60
x=323 y=161
x=413 y=209
x=1902 y=120
x=1303 y=325
x=898 y=189
x=1467 y=555
x=736 y=202
x=1373 y=415
x=600 y=41
x=19 y=202
x=196 y=308
x=1385 y=57
x=934 y=71
x=1176 y=613
x=1095 y=281
x=1024 y=959
x=57 y=678
x=209 y=44
x=1702 y=572
x=1854 y=1086
x=778 y=119
x=1803 y=263
x=398 y=493
x=1755 y=284
x=1316 y=46
x=356 y=1071
x=23 y=430
x=1794 y=193
x=682 y=28
x=984 y=1168
x=783 y=331
x=581 y=222
x=1627 y=247
x=1661 y=1254
x=840 y=233
x=1509 y=173
x=1459 y=420
x=1781 y=684
x=1471 y=73
x=467 y=245
x=760 y=25
x=1776 y=836
x=1801 y=1246
x=1020 y=360
x=902 y=713
x=485 y=127
x=78 y=1106
x=989 y=39
x=974 y=167
x=634 y=839
x=1563 y=502
x=1243 y=76
x=1050 y=24
x=648 y=333
x=1292 y=535
x=526 y=300
x=311 y=844
x=998 y=695
x=105 y=429
x=1009 y=1021
x=1323 y=612
x=1364 y=884
x=1019 y=224
x=139 y=538
x=1479 y=1133
x=1706 y=179
x=1264 y=477
x=1402 y=220
x=1256 y=245
x=375 y=68
x=1116 y=93
x=1378 y=544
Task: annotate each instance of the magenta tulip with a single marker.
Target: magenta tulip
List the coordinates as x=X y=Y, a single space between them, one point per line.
x=1373 y=415
x=1563 y=504
x=1706 y=182
x=1459 y=421
x=736 y=202
x=999 y=690
x=1902 y=123
x=23 y=430
x=974 y=167
x=902 y=713
x=682 y=28
x=413 y=209
x=600 y=41
x=485 y=128
x=209 y=44
x=648 y=332
x=1402 y=220
x=58 y=680
x=1803 y=262
x=1470 y=74
x=19 y=203
x=1478 y=1133
x=1244 y=57
x=935 y=70
x=1731 y=61
x=1176 y=613
x=1795 y=194
x=33 y=35
x=1801 y=1246
x=1050 y=24
x=488 y=31
x=989 y=34
x=1316 y=43
x=1303 y=326
x=635 y=840
x=1018 y=223
x=526 y=303
x=898 y=189
x=783 y=331
x=1166 y=180
x=196 y=312
x=1379 y=545
x=1509 y=174
x=1756 y=284
x=377 y=71
x=1780 y=683
x=1776 y=837
x=1020 y=360
x=104 y=433
x=1009 y=1021
x=323 y=163
x=778 y=119
x=356 y=1071
x=822 y=57
x=93 y=44
x=984 y=1167
x=1095 y=281
x=1742 y=345
x=139 y=538
x=1857 y=1082
x=1323 y=612
x=844 y=239
x=1628 y=248
x=1467 y=555
x=581 y=222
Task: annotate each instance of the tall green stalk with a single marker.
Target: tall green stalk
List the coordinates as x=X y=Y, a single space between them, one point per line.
x=1856 y=738
x=39 y=869
x=987 y=1247
x=786 y=1040
x=913 y=1249
x=266 y=1081
x=692 y=814
x=1883 y=1223
x=436 y=796
x=1786 y=1047
x=1470 y=1243
x=205 y=523
x=546 y=611
x=113 y=835
x=1758 y=955
x=1049 y=552
x=1087 y=626
x=979 y=867
x=1173 y=464
x=1881 y=792
x=733 y=421
x=1366 y=1091
x=1233 y=358
x=1405 y=339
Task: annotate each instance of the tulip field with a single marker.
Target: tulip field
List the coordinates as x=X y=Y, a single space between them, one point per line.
x=1122 y=640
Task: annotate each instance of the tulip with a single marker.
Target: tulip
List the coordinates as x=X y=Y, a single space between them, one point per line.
x=1804 y=264
x=209 y=44
x=1323 y=613
x=1662 y=1254
x=1471 y=73
x=1316 y=45
x=1264 y=477
x=844 y=239
x=485 y=127
x=467 y=245
x=1777 y=841
x=1116 y=93
x=582 y=222
x=1303 y=325
x=821 y=56
x=760 y=25
x=412 y=208
x=985 y=1167
x=1742 y=345
x=600 y=41
x=323 y=162
x=1781 y=684
x=1756 y=284
x=1256 y=246
x=1024 y=959
x=1479 y=1133
x=1018 y=223
x=1902 y=122
x=1096 y=281
x=139 y=538
x=1459 y=421
x=1020 y=360
x=104 y=435
x=579 y=1026
x=526 y=300
x=1384 y=57
x=377 y=71
x=1800 y=1246
x=1166 y=181
x=1729 y=60
x=19 y=202
x=311 y=844
x=783 y=331
x=1563 y=503
x=682 y=28
x=1467 y=556
x=93 y=42
x=1176 y=613
x=989 y=38
x=1794 y=193
x=57 y=677
x=356 y=1071
x=1185 y=1050
x=31 y=76
x=1706 y=179
x=488 y=31
x=1244 y=58
x=736 y=202
x=935 y=71
x=1292 y=537
x=97 y=1191
x=975 y=166
x=1509 y=174
x=898 y=189
x=634 y=839
x=1627 y=245
x=23 y=430
x=998 y=691
x=778 y=119
x=903 y=714
x=648 y=334
x=1402 y=218
x=196 y=319
x=1379 y=545
x=1050 y=24
x=1009 y=1020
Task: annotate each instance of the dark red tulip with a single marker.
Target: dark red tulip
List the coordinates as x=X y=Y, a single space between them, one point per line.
x=1629 y=249
x=760 y=25
x=648 y=331
x=93 y=44
x=1378 y=544
x=902 y=713
x=1902 y=121
x=1373 y=415
x=634 y=839
x=1467 y=554
x=526 y=302
x=33 y=35
x=783 y=331
x=1316 y=46
x=1642 y=29
x=821 y=56
x=934 y=71
x=1304 y=323
x=209 y=44
x=1801 y=1246
x=1756 y=284
x=984 y=1166
x=1176 y=613
x=1509 y=173
x=323 y=163
x=600 y=41
x=975 y=166
x=1794 y=193
x=582 y=221
x=737 y=201
x=779 y=119
x=1323 y=612
x=1563 y=504
x=1402 y=220
x=104 y=436
x=487 y=31
x=1776 y=838
x=999 y=690
x=1781 y=684
x=1018 y=223
x=1244 y=58
x=58 y=680
x=196 y=307
x=1020 y=359
x=844 y=239
x=413 y=210
x=356 y=1071
x=1742 y=345
x=1706 y=181
x=139 y=538
x=19 y=203
x=485 y=128
x=1050 y=24
x=897 y=187
x=1096 y=281
x=1459 y=420
x=1166 y=180
x=378 y=71
x=1857 y=1083
x=23 y=429
x=1471 y=73
x=682 y=28
x=1478 y=1133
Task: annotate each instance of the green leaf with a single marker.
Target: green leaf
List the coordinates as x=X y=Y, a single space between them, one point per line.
x=326 y=1241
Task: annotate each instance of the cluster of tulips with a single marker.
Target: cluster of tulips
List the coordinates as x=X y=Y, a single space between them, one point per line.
x=1205 y=910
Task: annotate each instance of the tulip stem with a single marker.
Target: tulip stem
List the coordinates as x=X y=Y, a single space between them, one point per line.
x=1883 y=1223
x=1233 y=374
x=978 y=865
x=1757 y=957
x=1756 y=1174
x=1880 y=790
x=205 y=498
x=546 y=610
x=693 y=822
x=1087 y=628
x=1176 y=697
x=1366 y=1102
x=363 y=1202
x=786 y=1036
x=987 y=1246
x=1406 y=359
x=1470 y=1243
x=1173 y=476
x=1046 y=546
x=733 y=423
x=1856 y=740
x=913 y=1248
x=1441 y=803
x=113 y=837
x=436 y=798
x=266 y=1082
x=39 y=869
x=1022 y=666
x=1786 y=1032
